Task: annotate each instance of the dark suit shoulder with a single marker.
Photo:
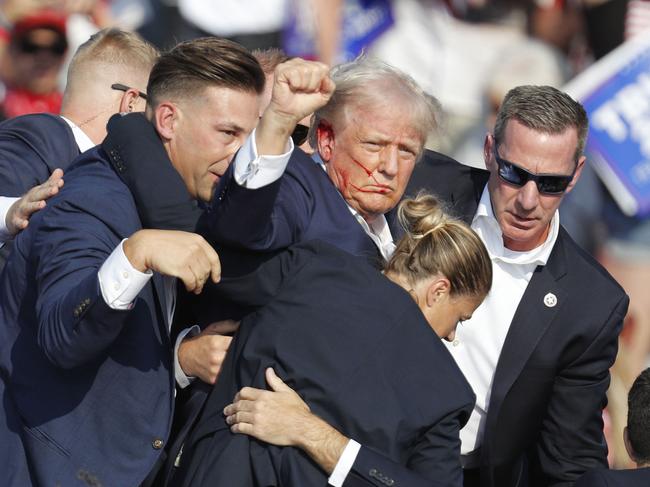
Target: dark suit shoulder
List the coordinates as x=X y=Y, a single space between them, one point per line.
x=31 y=147
x=44 y=120
x=43 y=132
x=584 y=266
x=457 y=185
x=93 y=187
x=403 y=321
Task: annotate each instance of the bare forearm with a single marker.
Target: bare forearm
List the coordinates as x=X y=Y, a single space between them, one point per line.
x=323 y=443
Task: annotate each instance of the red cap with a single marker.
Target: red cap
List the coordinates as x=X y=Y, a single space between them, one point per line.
x=44 y=19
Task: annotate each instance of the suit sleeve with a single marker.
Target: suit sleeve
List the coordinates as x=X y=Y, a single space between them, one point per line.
x=31 y=148
x=262 y=285
x=269 y=218
x=74 y=322
x=571 y=439
x=434 y=461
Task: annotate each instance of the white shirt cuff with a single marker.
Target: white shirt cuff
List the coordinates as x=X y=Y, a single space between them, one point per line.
x=181 y=379
x=253 y=171
x=344 y=465
x=119 y=281
x=5 y=204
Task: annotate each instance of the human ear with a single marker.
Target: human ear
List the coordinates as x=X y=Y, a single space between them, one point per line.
x=325 y=140
x=488 y=150
x=576 y=175
x=129 y=100
x=437 y=290
x=165 y=118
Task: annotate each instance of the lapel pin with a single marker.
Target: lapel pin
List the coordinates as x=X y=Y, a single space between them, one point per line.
x=550 y=300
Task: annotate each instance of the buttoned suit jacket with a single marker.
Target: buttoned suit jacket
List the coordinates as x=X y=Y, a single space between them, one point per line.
x=87 y=390
x=544 y=423
x=31 y=147
x=639 y=477
x=357 y=348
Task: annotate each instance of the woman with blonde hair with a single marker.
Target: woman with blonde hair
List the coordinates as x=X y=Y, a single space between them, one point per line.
x=362 y=350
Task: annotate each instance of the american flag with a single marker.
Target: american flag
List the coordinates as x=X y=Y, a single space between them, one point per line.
x=637 y=20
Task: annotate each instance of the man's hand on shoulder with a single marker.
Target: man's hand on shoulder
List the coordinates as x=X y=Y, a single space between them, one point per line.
x=20 y=212
x=299 y=89
x=184 y=255
x=282 y=418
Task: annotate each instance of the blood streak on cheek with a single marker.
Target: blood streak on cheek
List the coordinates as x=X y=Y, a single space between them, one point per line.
x=370 y=175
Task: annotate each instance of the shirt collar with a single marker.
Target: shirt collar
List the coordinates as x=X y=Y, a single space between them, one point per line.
x=83 y=141
x=487 y=226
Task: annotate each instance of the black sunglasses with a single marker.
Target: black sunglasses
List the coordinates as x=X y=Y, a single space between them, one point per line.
x=58 y=48
x=299 y=134
x=121 y=87
x=518 y=176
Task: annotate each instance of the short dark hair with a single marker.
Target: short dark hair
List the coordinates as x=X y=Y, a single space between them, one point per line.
x=198 y=63
x=543 y=109
x=638 y=417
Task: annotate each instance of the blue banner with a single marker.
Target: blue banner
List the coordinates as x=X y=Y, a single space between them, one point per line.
x=616 y=94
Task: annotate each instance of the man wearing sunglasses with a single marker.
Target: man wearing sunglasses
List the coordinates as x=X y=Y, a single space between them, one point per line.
x=538 y=350
x=108 y=74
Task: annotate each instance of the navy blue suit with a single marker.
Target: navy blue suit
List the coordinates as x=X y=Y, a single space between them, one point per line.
x=301 y=205
x=544 y=423
x=31 y=147
x=357 y=348
x=248 y=226
x=87 y=391
x=639 y=477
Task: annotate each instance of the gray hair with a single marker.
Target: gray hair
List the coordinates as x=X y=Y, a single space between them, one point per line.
x=354 y=82
x=544 y=109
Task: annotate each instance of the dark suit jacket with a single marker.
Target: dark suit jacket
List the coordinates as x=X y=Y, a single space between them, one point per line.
x=301 y=205
x=544 y=422
x=358 y=350
x=639 y=477
x=247 y=226
x=87 y=390
x=31 y=147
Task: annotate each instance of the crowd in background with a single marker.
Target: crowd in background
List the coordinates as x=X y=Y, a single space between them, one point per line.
x=468 y=53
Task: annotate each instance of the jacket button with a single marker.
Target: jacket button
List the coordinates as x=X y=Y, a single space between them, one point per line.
x=157 y=443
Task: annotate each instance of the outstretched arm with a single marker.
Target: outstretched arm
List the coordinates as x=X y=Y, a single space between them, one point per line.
x=248 y=209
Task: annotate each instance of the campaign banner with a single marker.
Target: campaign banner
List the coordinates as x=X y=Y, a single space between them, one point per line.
x=615 y=91
x=363 y=21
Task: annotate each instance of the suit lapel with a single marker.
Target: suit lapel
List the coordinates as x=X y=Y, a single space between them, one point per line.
x=539 y=305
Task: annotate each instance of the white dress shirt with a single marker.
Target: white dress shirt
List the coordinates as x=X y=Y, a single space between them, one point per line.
x=478 y=342
x=80 y=137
